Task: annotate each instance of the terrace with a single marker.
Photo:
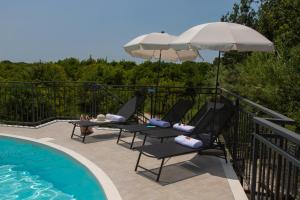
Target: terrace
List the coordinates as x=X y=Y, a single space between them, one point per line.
x=263 y=154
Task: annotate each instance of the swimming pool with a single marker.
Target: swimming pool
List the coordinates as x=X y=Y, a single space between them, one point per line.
x=29 y=170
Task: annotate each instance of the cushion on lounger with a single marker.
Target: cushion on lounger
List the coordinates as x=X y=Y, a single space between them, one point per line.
x=159 y=122
x=183 y=127
x=189 y=142
x=115 y=118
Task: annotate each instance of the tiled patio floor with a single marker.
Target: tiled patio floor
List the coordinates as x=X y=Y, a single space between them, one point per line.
x=189 y=177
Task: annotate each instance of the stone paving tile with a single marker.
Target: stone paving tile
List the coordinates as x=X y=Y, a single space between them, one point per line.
x=189 y=177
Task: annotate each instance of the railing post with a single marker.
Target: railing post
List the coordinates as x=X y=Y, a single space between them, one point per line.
x=150 y=91
x=235 y=131
x=156 y=103
x=254 y=166
x=279 y=168
x=54 y=98
x=64 y=101
x=94 y=100
x=296 y=182
x=33 y=93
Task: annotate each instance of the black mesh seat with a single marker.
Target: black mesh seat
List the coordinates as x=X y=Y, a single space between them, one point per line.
x=174 y=115
x=127 y=110
x=170 y=149
x=207 y=131
x=205 y=113
x=134 y=127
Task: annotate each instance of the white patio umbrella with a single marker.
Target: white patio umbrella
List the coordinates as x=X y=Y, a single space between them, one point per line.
x=223 y=37
x=156 y=46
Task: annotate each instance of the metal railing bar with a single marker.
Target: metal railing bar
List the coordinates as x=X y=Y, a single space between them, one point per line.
x=277 y=149
x=268 y=111
x=280 y=121
x=290 y=135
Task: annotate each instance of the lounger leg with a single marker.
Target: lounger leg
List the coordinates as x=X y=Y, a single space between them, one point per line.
x=73 y=130
x=144 y=140
x=134 y=134
x=120 y=133
x=160 y=169
x=161 y=140
x=83 y=139
x=225 y=153
x=138 y=161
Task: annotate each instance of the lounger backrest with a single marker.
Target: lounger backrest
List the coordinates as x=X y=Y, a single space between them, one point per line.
x=198 y=115
x=129 y=108
x=204 y=123
x=223 y=116
x=220 y=119
x=201 y=113
x=178 y=110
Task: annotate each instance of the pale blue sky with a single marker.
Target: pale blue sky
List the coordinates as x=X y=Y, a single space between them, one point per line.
x=48 y=30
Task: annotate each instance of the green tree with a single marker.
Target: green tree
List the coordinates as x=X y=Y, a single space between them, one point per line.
x=270 y=79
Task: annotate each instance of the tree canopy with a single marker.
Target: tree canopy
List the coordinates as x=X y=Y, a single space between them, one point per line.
x=101 y=71
x=270 y=79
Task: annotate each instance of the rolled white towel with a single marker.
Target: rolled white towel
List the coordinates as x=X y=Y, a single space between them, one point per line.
x=188 y=141
x=115 y=118
x=183 y=127
x=159 y=122
x=100 y=117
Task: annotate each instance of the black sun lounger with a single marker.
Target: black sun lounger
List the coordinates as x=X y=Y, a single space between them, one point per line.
x=127 y=111
x=174 y=115
x=204 y=113
x=162 y=151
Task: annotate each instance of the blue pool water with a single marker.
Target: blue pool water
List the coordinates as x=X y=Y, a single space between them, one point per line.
x=32 y=171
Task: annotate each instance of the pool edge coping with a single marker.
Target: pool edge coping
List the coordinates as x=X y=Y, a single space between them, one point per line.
x=233 y=182
x=110 y=190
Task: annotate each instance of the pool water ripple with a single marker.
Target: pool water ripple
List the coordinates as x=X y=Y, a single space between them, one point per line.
x=23 y=185
x=33 y=171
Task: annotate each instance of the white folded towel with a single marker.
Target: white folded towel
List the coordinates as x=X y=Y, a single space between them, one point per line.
x=159 y=122
x=183 y=127
x=188 y=141
x=115 y=118
x=100 y=117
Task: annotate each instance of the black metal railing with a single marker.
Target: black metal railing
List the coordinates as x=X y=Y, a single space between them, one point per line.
x=275 y=162
x=264 y=155
x=32 y=104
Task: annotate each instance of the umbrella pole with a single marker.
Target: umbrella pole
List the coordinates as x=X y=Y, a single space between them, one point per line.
x=216 y=91
x=157 y=83
x=217 y=80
